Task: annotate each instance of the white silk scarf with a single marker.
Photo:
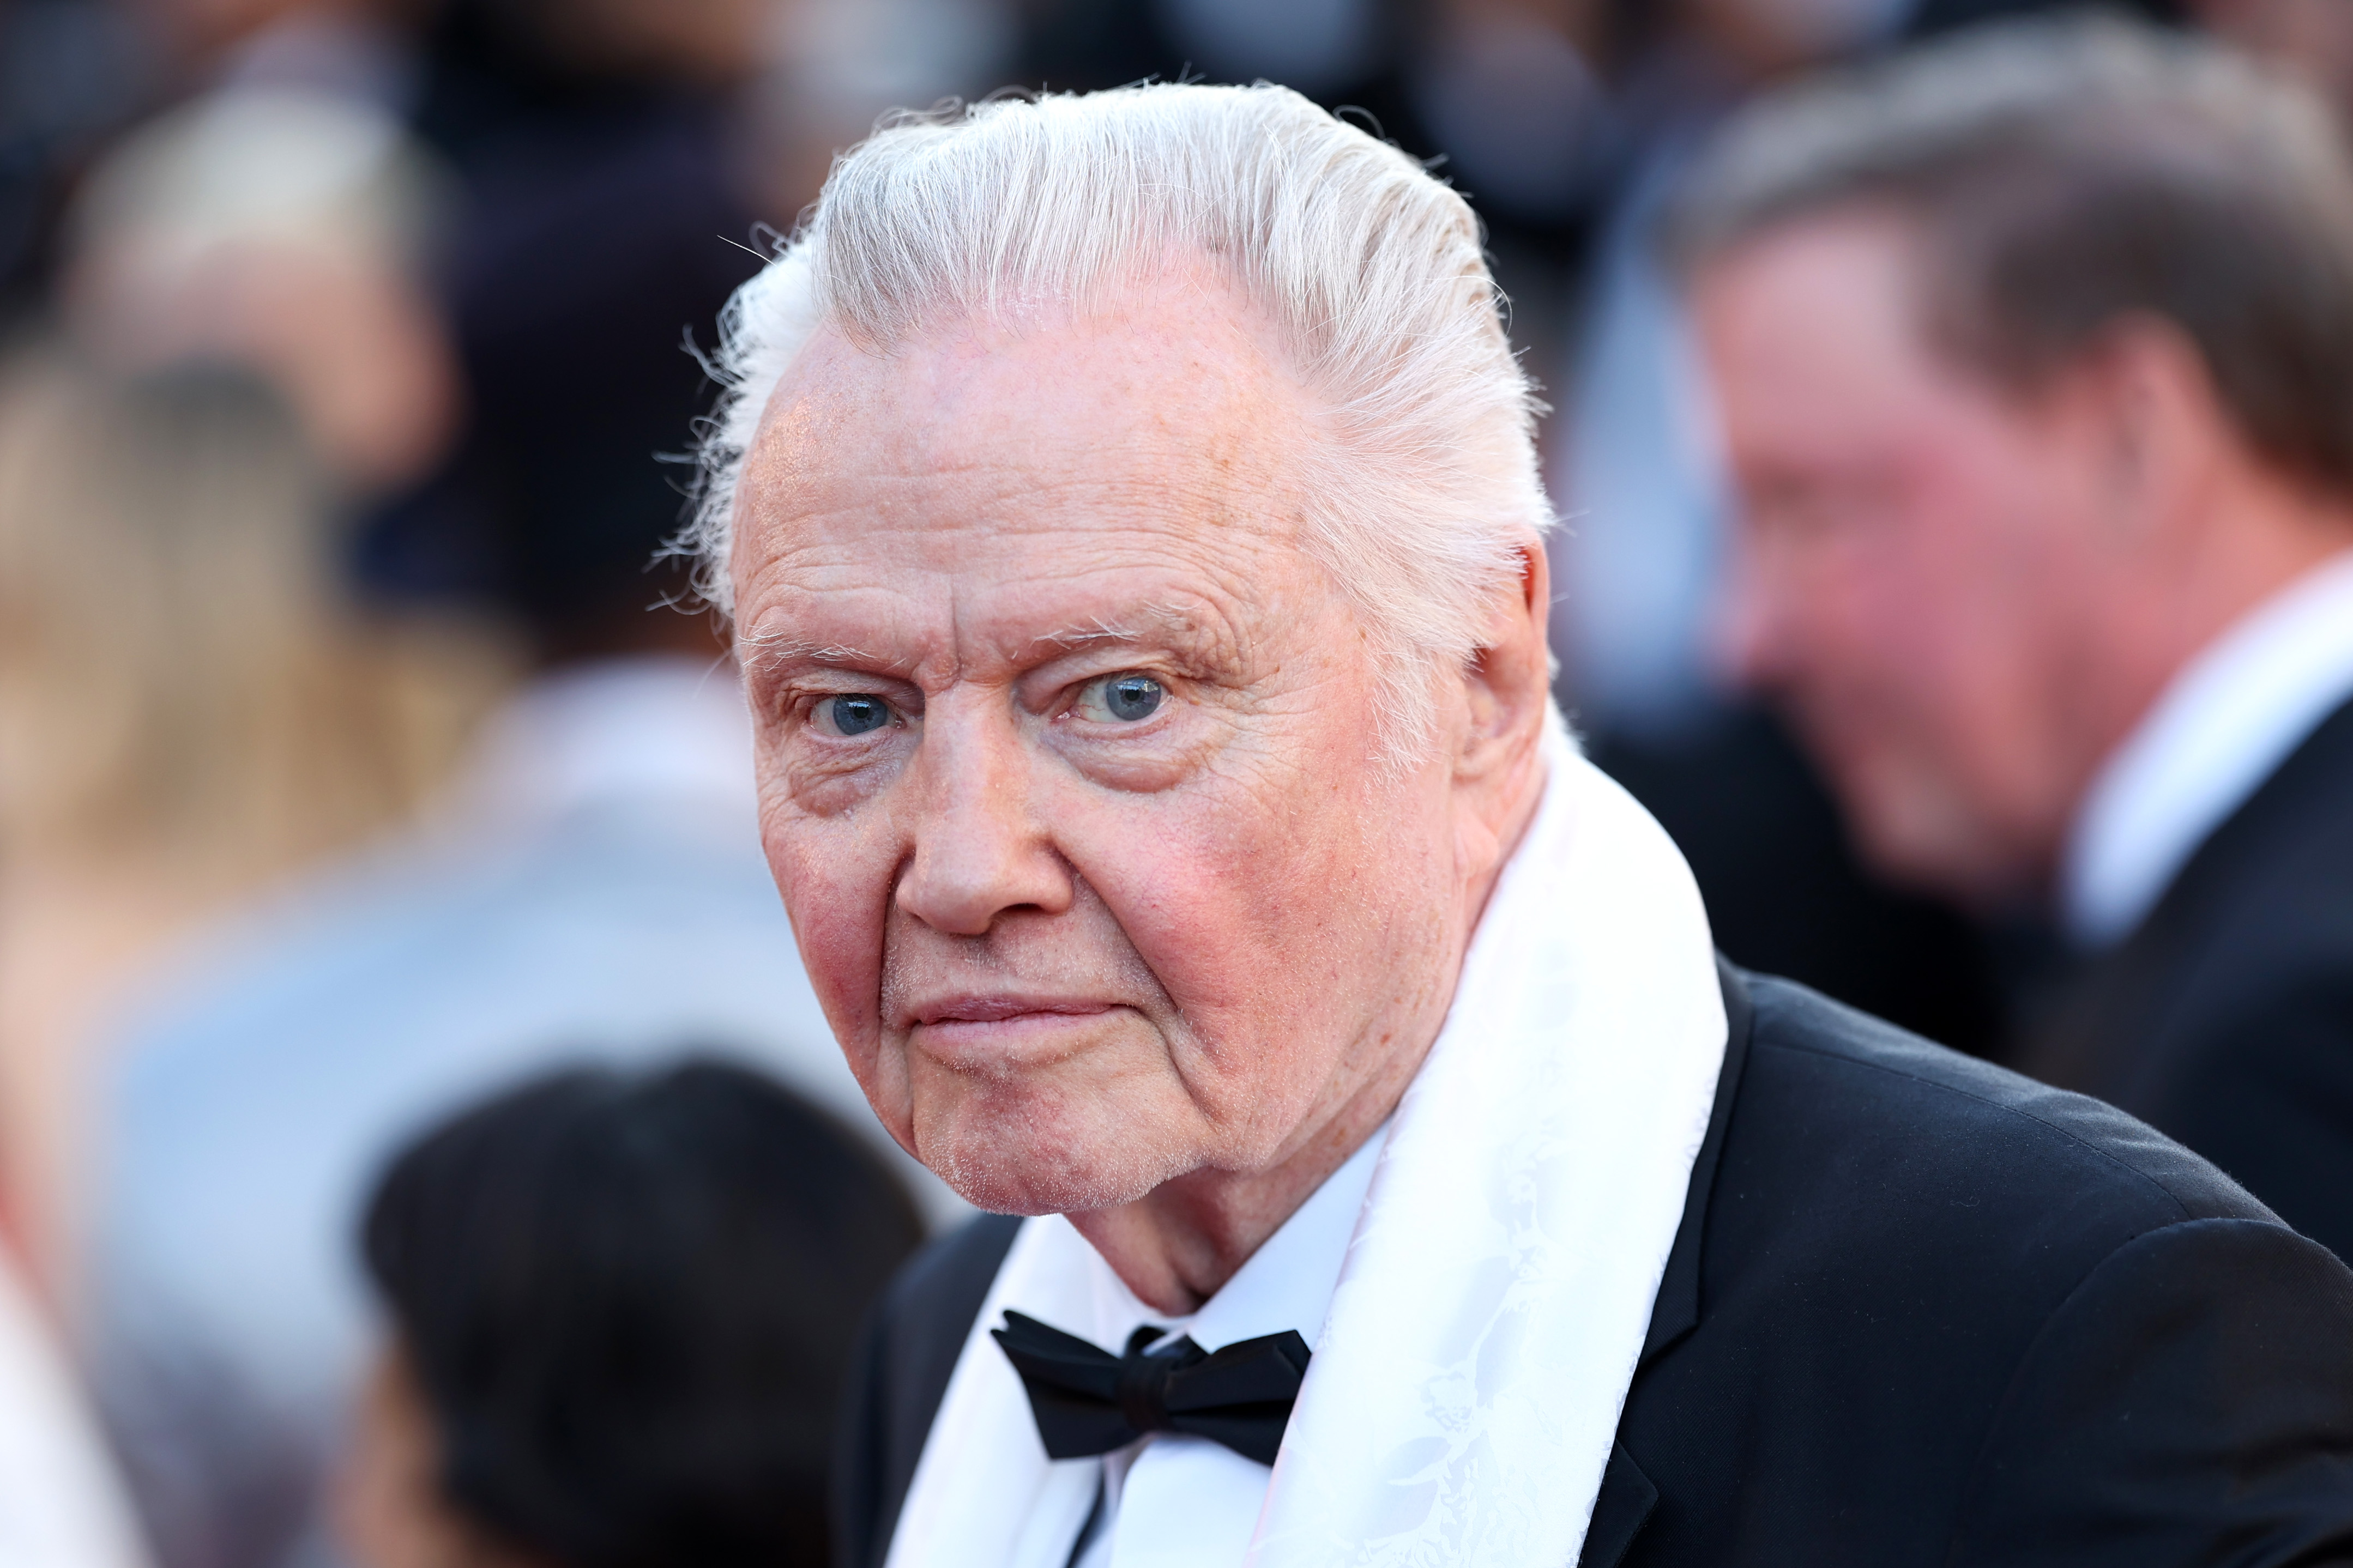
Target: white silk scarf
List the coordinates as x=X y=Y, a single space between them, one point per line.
x=1466 y=1385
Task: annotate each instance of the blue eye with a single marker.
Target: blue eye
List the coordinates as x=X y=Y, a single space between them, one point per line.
x=1123 y=698
x=854 y=714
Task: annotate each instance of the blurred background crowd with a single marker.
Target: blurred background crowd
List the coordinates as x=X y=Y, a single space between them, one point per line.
x=353 y=766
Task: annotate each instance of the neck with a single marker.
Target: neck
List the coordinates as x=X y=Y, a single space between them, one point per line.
x=2268 y=537
x=1177 y=1244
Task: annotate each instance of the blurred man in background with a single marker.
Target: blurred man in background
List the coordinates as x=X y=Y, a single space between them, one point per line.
x=2035 y=357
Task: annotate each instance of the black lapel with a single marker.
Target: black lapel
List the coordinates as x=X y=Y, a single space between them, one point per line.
x=1619 y=1512
x=1676 y=1311
x=1627 y=1496
x=911 y=1348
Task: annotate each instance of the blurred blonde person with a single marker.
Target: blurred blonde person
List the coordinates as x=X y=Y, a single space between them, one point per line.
x=278 y=228
x=188 y=712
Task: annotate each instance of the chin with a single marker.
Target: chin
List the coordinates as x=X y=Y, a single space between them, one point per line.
x=1026 y=1161
x=1929 y=841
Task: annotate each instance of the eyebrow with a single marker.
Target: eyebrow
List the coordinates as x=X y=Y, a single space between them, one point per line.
x=1074 y=639
x=1168 y=620
x=763 y=651
x=760 y=653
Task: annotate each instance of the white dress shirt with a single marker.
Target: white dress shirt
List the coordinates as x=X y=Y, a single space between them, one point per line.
x=2233 y=715
x=1172 y=1499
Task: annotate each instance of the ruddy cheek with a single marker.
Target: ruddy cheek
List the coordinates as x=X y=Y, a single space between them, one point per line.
x=834 y=891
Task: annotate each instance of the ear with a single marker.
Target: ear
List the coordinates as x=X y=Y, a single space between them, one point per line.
x=1507 y=684
x=2162 y=421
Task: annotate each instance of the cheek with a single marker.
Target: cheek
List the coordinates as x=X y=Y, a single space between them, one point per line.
x=836 y=879
x=1974 y=586
x=1258 y=905
x=1901 y=614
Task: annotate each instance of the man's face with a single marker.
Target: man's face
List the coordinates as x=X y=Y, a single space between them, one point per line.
x=1067 y=754
x=1913 y=574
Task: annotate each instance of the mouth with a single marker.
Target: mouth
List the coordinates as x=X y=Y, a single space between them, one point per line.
x=998 y=1031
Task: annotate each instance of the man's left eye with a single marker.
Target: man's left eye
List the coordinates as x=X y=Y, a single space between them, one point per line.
x=1120 y=699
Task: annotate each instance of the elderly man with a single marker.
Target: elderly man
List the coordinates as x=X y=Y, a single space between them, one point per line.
x=2036 y=356
x=1127 y=507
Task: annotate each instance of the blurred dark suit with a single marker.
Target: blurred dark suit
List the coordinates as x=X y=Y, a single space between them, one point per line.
x=2225 y=1020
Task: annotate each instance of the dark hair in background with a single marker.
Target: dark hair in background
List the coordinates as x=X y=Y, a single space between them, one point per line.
x=628 y=1301
x=2066 y=176
x=586 y=253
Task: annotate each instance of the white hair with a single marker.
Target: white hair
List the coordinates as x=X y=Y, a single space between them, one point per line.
x=1368 y=269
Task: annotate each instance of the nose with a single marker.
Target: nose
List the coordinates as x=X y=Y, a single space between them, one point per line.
x=981 y=849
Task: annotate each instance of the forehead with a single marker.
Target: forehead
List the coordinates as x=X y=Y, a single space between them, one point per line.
x=1814 y=330
x=1053 y=466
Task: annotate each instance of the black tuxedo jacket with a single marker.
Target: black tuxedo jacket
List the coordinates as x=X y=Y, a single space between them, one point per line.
x=2226 y=1019
x=1920 y=1311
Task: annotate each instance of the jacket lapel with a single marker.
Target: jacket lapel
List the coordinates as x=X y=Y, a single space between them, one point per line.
x=1676 y=1311
x=1628 y=1495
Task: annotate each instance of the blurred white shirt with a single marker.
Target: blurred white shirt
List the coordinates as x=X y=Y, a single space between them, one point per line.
x=2226 y=723
x=60 y=1505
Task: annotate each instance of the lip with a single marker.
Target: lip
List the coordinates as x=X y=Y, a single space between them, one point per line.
x=998 y=1007
x=991 y=1029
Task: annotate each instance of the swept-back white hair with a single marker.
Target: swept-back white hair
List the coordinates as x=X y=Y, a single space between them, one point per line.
x=1368 y=269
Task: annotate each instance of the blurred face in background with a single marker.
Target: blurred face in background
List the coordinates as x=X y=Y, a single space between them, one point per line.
x=1069 y=756
x=1921 y=557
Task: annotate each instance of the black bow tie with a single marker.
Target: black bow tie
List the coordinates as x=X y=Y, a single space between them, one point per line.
x=1088 y=1401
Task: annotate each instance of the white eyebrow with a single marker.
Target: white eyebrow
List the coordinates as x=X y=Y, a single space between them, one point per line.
x=769 y=650
x=1099 y=631
x=762 y=651
x=1164 y=617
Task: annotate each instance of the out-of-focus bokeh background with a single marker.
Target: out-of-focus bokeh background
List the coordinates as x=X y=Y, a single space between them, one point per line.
x=349 y=768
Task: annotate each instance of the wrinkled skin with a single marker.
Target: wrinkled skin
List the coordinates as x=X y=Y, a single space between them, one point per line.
x=1966 y=593
x=1161 y=970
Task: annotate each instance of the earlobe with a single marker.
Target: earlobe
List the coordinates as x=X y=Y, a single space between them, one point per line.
x=1507 y=681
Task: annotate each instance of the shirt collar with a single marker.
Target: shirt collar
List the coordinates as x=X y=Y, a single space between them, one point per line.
x=1286 y=1284
x=2231 y=716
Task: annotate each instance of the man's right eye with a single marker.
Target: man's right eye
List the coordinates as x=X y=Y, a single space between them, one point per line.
x=854 y=714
